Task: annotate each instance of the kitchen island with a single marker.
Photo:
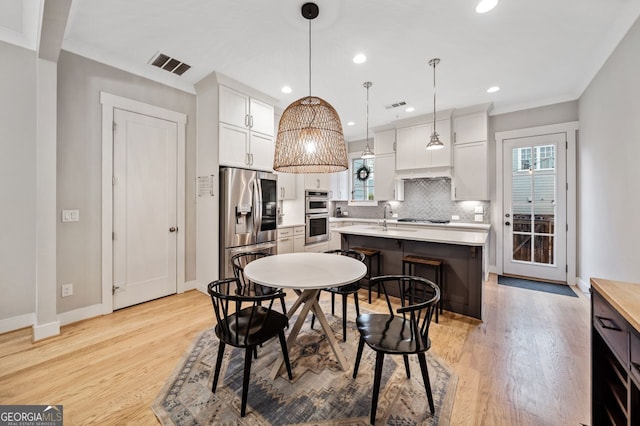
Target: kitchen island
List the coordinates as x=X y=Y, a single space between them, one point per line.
x=464 y=254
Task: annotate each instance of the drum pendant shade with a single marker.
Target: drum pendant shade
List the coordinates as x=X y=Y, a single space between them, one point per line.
x=310 y=138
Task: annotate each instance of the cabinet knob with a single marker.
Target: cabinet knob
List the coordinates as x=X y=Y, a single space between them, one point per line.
x=173 y=229
x=507 y=223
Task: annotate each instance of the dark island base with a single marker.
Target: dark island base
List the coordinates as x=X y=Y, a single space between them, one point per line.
x=462 y=292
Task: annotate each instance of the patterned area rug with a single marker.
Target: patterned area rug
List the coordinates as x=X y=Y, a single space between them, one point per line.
x=319 y=394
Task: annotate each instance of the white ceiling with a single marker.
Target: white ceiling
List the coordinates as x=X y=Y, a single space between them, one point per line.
x=539 y=51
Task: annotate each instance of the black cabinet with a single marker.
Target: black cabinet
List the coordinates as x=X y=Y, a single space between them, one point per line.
x=615 y=363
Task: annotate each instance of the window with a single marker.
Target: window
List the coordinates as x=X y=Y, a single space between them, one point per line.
x=544 y=158
x=362 y=179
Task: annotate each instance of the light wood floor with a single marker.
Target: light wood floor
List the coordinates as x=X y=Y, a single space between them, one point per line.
x=527 y=363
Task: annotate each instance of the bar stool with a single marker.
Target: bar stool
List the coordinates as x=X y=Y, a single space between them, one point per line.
x=411 y=261
x=369 y=254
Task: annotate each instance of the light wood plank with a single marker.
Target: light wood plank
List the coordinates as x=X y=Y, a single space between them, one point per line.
x=527 y=363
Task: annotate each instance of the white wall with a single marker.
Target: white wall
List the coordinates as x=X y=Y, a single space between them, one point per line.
x=80 y=81
x=17 y=182
x=608 y=167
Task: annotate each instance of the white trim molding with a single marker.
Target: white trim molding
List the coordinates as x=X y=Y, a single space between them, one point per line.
x=80 y=314
x=109 y=103
x=17 y=322
x=570 y=129
x=44 y=331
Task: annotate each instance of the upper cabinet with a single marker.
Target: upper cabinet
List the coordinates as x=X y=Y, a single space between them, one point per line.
x=317 y=181
x=339 y=186
x=246 y=131
x=387 y=187
x=287 y=186
x=384 y=142
x=411 y=143
x=470 y=157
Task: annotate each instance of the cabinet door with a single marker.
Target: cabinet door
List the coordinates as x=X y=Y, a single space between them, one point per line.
x=298 y=243
x=234 y=107
x=261 y=117
x=470 y=128
x=317 y=181
x=385 y=170
x=384 y=142
x=470 y=172
x=234 y=142
x=261 y=151
x=335 y=243
x=340 y=186
x=285 y=245
x=286 y=186
x=441 y=157
x=421 y=137
x=404 y=148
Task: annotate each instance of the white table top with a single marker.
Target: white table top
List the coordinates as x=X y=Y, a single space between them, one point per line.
x=305 y=270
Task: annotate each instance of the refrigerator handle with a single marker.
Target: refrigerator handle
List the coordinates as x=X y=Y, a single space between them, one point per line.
x=257 y=205
x=253 y=247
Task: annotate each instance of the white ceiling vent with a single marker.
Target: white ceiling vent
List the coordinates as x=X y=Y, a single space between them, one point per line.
x=168 y=63
x=395 y=105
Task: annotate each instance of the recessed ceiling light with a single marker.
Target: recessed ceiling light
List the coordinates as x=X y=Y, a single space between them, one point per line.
x=486 y=5
x=359 y=58
x=286 y=89
x=351 y=123
x=410 y=109
x=493 y=89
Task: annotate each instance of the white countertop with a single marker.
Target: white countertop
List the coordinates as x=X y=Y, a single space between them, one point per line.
x=394 y=222
x=434 y=235
x=290 y=225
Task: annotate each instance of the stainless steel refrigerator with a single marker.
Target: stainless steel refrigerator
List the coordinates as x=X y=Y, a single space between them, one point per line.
x=248 y=214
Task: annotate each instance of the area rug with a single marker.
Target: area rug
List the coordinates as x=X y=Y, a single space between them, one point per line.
x=562 y=289
x=319 y=394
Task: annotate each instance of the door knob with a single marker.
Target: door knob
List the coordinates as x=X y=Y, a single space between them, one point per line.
x=507 y=223
x=173 y=229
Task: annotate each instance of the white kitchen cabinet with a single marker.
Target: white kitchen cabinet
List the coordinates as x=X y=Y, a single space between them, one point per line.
x=470 y=128
x=242 y=148
x=411 y=143
x=285 y=240
x=339 y=186
x=246 y=131
x=384 y=142
x=240 y=110
x=470 y=171
x=298 y=239
x=387 y=187
x=286 y=186
x=317 y=181
x=317 y=248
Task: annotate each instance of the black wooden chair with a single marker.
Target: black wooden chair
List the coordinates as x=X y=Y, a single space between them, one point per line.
x=344 y=291
x=238 y=263
x=406 y=333
x=243 y=322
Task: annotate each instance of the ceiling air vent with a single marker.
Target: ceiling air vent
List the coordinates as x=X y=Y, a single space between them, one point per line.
x=395 y=105
x=168 y=63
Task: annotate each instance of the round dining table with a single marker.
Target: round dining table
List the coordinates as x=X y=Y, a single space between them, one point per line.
x=306 y=274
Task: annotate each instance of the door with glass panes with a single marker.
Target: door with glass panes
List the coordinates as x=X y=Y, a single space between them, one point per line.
x=534 y=215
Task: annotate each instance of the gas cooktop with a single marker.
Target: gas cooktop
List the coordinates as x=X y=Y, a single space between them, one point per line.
x=418 y=220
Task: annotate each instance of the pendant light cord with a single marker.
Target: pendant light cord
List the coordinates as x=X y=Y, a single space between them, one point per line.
x=368 y=85
x=309 y=57
x=434 y=97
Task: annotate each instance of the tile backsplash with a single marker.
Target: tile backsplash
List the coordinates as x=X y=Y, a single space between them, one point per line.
x=425 y=199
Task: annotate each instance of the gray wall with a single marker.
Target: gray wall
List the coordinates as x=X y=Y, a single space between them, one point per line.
x=80 y=82
x=17 y=181
x=609 y=176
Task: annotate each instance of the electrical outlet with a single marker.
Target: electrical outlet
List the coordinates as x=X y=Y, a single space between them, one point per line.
x=67 y=290
x=70 y=215
x=479 y=218
x=455 y=217
x=479 y=209
x=394 y=215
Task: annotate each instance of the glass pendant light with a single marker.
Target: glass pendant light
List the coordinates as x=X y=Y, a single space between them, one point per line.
x=435 y=142
x=310 y=138
x=368 y=152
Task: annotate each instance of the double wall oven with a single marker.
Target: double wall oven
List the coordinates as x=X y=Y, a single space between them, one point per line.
x=317 y=216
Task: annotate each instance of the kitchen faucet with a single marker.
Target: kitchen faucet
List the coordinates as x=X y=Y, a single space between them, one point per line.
x=384 y=216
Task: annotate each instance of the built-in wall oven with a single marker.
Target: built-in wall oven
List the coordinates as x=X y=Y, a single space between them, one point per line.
x=317 y=216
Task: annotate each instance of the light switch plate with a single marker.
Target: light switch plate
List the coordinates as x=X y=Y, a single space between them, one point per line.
x=67 y=290
x=455 y=217
x=70 y=215
x=479 y=209
x=479 y=218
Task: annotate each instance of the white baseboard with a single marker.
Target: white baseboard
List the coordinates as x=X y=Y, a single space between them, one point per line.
x=202 y=288
x=188 y=285
x=43 y=331
x=583 y=285
x=15 y=323
x=80 y=314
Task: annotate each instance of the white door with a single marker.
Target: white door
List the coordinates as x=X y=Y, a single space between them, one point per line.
x=144 y=208
x=534 y=213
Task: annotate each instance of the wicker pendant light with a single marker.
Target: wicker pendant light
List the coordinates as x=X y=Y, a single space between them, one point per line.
x=434 y=142
x=310 y=138
x=368 y=152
